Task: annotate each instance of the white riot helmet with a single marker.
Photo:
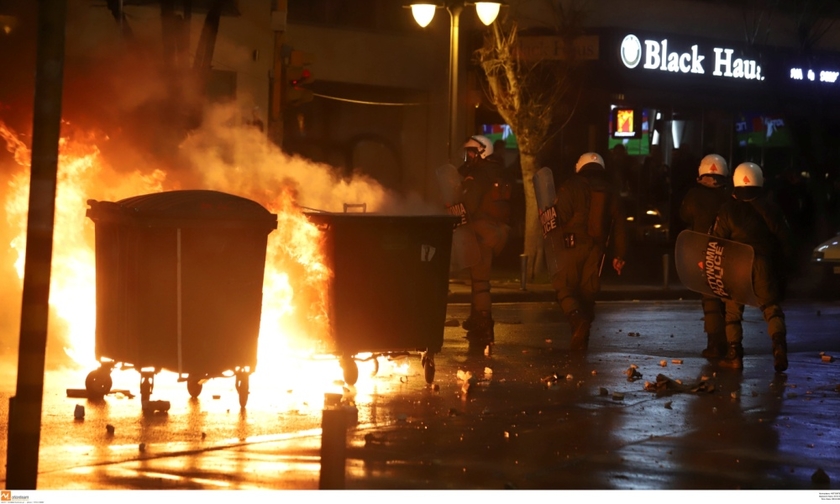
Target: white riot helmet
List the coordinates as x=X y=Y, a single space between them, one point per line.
x=748 y=175
x=588 y=158
x=480 y=144
x=713 y=164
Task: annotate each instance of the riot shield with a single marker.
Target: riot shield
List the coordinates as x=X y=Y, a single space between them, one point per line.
x=715 y=266
x=546 y=195
x=465 y=251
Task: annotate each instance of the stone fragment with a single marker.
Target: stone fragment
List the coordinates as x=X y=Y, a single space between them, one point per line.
x=820 y=477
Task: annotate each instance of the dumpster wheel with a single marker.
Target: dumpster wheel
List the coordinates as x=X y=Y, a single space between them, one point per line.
x=98 y=382
x=194 y=387
x=242 y=387
x=428 y=362
x=375 y=359
x=147 y=385
x=350 y=368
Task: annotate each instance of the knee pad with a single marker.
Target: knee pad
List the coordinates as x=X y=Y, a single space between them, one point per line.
x=479 y=286
x=776 y=312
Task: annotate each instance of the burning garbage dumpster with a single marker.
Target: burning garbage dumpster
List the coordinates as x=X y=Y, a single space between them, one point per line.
x=390 y=283
x=179 y=279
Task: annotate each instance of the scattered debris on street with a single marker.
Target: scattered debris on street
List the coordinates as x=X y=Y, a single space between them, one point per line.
x=371 y=440
x=467 y=380
x=666 y=385
x=633 y=373
x=550 y=380
x=820 y=477
x=76 y=393
x=155 y=406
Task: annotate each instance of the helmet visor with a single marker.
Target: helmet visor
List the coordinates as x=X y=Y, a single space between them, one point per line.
x=471 y=152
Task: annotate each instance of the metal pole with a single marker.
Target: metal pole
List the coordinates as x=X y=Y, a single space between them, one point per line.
x=523 y=271
x=179 y=301
x=333 y=449
x=454 y=9
x=25 y=407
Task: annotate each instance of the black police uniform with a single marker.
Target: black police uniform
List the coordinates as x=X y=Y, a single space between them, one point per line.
x=752 y=217
x=699 y=210
x=588 y=208
x=485 y=192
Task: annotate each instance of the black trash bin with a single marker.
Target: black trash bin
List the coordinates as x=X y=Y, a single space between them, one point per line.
x=390 y=283
x=179 y=279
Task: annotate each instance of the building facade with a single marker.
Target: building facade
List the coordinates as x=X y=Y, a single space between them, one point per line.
x=697 y=76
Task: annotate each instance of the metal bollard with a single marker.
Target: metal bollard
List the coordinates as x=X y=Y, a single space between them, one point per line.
x=666 y=268
x=333 y=449
x=523 y=267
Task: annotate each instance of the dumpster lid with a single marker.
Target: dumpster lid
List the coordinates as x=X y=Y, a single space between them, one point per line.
x=198 y=204
x=323 y=217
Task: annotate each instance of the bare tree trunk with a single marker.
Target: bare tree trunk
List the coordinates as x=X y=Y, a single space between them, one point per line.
x=533 y=231
x=533 y=97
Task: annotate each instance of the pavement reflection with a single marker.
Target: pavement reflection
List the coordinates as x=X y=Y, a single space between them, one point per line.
x=529 y=415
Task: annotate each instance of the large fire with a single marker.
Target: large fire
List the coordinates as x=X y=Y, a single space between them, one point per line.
x=293 y=324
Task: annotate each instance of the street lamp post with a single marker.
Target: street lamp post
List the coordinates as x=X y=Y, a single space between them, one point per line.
x=423 y=12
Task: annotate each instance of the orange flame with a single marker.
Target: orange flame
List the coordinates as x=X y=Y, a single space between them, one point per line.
x=72 y=295
x=294 y=325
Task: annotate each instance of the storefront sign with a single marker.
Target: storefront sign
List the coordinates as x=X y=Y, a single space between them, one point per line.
x=826 y=76
x=659 y=55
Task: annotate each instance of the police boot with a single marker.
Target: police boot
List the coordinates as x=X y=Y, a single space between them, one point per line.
x=780 y=360
x=715 y=346
x=472 y=320
x=734 y=358
x=480 y=332
x=580 y=331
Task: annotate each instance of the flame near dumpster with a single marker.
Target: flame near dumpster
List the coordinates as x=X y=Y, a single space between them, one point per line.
x=235 y=159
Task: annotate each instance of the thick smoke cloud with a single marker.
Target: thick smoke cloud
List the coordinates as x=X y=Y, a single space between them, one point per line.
x=151 y=132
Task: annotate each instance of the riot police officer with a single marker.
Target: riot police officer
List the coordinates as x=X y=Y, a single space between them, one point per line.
x=698 y=210
x=751 y=216
x=485 y=193
x=588 y=211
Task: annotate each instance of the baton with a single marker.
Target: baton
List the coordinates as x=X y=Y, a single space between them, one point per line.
x=606 y=244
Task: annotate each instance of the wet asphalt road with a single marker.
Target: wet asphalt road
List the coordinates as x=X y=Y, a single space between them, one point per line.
x=531 y=416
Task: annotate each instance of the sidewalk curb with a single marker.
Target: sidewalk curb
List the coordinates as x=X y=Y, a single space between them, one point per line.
x=544 y=293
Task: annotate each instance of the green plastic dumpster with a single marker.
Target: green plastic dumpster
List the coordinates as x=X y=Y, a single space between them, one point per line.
x=390 y=283
x=179 y=279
